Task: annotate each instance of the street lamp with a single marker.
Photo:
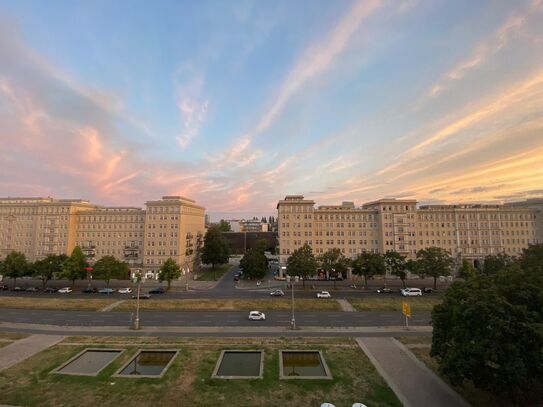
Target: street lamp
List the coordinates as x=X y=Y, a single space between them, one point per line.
x=137 y=279
x=293 y=319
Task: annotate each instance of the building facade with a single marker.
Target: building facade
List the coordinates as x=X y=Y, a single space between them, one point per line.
x=465 y=231
x=170 y=227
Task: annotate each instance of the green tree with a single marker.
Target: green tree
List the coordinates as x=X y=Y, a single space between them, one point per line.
x=532 y=258
x=254 y=263
x=302 y=263
x=488 y=330
x=74 y=267
x=45 y=269
x=224 y=226
x=215 y=249
x=108 y=267
x=497 y=263
x=368 y=264
x=395 y=264
x=434 y=262
x=467 y=270
x=169 y=271
x=14 y=266
x=333 y=261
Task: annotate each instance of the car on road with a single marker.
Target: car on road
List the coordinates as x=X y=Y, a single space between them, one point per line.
x=428 y=290
x=257 y=316
x=324 y=294
x=384 y=290
x=3 y=287
x=90 y=290
x=17 y=289
x=157 y=290
x=32 y=289
x=126 y=290
x=277 y=293
x=142 y=296
x=106 y=290
x=411 y=292
x=65 y=290
x=50 y=290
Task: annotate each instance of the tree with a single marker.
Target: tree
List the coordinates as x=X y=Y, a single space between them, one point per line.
x=224 y=226
x=333 y=261
x=532 y=258
x=263 y=220
x=368 y=264
x=169 y=271
x=14 y=266
x=46 y=268
x=467 y=270
x=302 y=263
x=108 y=267
x=488 y=331
x=254 y=263
x=434 y=262
x=215 y=249
x=74 y=267
x=497 y=263
x=395 y=264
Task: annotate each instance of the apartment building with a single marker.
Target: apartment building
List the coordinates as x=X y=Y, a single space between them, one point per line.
x=465 y=231
x=170 y=227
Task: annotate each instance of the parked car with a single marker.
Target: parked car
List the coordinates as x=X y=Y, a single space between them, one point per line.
x=50 y=290
x=157 y=290
x=3 y=287
x=90 y=290
x=324 y=294
x=32 y=289
x=411 y=292
x=277 y=293
x=428 y=290
x=106 y=290
x=384 y=290
x=126 y=290
x=257 y=316
x=142 y=296
x=17 y=289
x=65 y=290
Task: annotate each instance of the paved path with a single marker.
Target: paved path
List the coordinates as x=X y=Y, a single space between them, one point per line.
x=109 y=307
x=346 y=306
x=413 y=382
x=24 y=348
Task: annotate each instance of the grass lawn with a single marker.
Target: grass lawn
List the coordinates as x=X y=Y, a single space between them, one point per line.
x=188 y=381
x=91 y=304
x=269 y=304
x=476 y=397
x=207 y=274
x=12 y=336
x=385 y=303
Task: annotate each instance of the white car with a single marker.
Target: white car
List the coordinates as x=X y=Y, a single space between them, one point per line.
x=65 y=290
x=126 y=290
x=257 y=316
x=411 y=292
x=324 y=294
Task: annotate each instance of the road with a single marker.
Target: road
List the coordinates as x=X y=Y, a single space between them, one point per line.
x=212 y=318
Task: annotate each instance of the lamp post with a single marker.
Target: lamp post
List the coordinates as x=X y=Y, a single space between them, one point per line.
x=137 y=279
x=293 y=319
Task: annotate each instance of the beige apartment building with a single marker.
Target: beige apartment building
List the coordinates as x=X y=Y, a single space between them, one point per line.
x=465 y=231
x=170 y=227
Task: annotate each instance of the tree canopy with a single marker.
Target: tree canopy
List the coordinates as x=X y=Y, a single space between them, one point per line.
x=45 y=269
x=433 y=262
x=395 y=264
x=74 y=267
x=108 y=267
x=169 y=271
x=14 y=266
x=368 y=264
x=302 y=263
x=224 y=226
x=467 y=270
x=215 y=249
x=494 y=264
x=254 y=263
x=488 y=330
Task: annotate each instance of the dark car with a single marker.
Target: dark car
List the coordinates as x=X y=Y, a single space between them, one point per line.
x=50 y=290
x=142 y=296
x=3 y=287
x=428 y=290
x=157 y=290
x=384 y=290
x=32 y=289
x=90 y=290
x=17 y=289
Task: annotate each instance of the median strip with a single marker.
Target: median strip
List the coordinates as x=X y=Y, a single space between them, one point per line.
x=110 y=307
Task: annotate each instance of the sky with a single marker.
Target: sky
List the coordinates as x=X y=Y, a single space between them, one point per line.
x=237 y=103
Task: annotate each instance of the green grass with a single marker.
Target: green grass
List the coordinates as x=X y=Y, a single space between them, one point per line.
x=90 y=304
x=189 y=382
x=268 y=304
x=207 y=274
x=394 y=303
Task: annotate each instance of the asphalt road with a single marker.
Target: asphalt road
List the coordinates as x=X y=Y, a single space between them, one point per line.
x=211 y=318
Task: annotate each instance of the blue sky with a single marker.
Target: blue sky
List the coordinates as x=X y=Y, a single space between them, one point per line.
x=238 y=103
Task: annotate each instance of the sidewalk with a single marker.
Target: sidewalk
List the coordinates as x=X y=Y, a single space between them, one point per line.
x=24 y=348
x=414 y=383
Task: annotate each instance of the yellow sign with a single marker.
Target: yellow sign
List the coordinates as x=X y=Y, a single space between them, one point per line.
x=406 y=308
